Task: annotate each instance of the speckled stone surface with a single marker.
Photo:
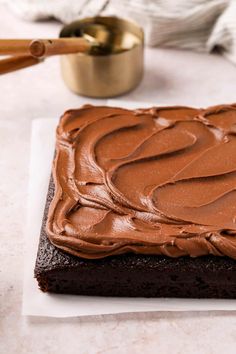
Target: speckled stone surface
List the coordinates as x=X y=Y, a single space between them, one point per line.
x=171 y=77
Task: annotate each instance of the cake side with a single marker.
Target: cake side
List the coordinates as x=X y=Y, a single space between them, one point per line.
x=132 y=275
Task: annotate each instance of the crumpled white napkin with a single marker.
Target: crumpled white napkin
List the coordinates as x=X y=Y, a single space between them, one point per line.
x=200 y=25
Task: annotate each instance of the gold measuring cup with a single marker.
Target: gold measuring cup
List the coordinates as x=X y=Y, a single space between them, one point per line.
x=100 y=56
x=110 y=69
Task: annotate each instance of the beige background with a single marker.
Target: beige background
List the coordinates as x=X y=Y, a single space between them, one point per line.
x=171 y=77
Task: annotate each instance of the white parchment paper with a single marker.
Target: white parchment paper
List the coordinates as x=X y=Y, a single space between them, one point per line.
x=37 y=303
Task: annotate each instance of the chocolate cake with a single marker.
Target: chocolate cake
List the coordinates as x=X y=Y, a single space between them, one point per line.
x=142 y=203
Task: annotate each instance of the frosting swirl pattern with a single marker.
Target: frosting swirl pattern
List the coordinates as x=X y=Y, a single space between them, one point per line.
x=156 y=181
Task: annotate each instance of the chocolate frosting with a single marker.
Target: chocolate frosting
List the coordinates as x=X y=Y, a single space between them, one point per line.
x=152 y=181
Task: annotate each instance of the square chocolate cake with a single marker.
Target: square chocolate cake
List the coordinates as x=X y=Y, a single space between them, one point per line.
x=142 y=203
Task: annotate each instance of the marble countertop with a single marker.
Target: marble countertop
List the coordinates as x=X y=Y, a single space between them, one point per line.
x=171 y=77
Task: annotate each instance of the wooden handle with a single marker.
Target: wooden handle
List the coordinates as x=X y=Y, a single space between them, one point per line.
x=15 y=63
x=43 y=47
x=14 y=46
x=47 y=47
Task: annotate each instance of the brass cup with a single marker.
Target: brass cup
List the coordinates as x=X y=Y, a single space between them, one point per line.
x=113 y=72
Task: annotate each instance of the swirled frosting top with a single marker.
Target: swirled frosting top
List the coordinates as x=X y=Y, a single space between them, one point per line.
x=150 y=181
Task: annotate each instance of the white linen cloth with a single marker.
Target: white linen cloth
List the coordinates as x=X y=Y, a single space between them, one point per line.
x=37 y=303
x=200 y=25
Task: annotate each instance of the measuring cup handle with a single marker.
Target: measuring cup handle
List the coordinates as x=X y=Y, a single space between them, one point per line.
x=17 y=62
